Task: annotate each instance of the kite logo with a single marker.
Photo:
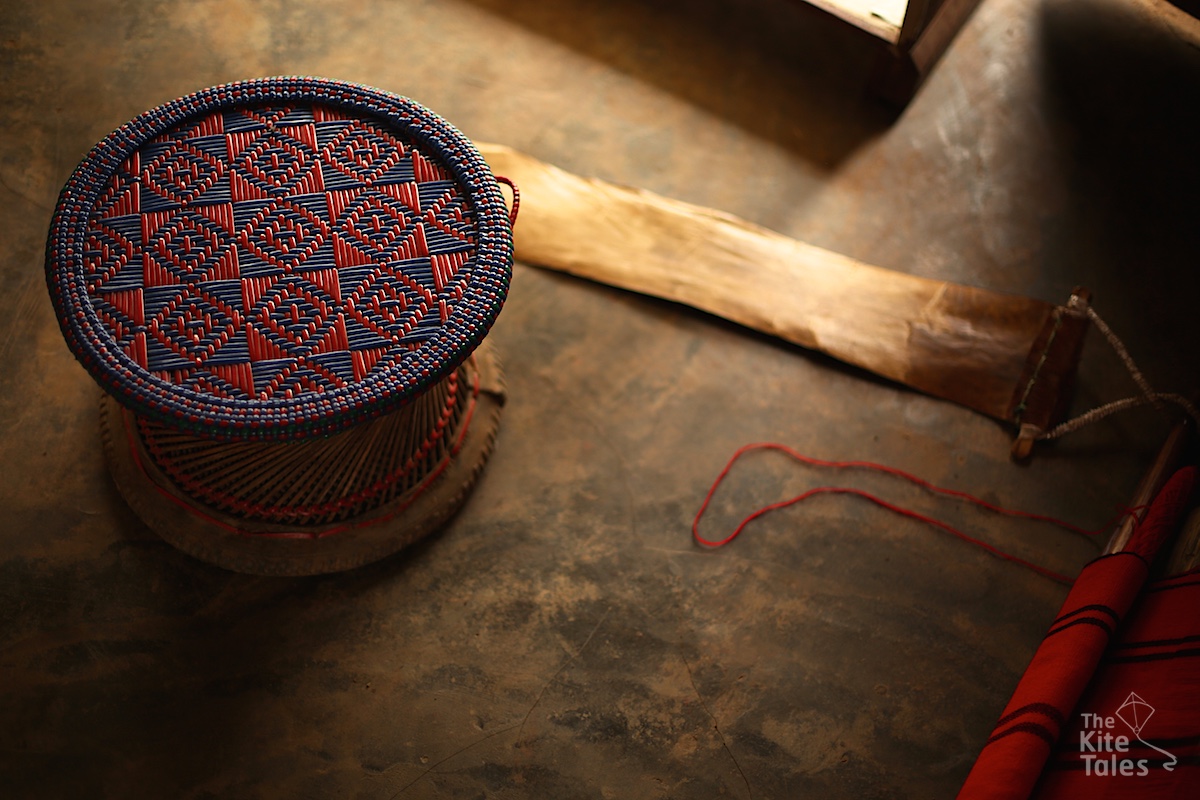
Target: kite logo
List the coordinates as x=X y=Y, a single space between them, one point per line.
x=1106 y=753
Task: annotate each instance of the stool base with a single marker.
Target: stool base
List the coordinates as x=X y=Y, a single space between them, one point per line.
x=263 y=548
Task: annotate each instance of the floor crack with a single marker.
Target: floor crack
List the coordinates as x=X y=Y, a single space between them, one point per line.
x=716 y=726
x=571 y=657
x=453 y=755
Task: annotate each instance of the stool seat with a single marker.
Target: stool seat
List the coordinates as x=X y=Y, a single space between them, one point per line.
x=278 y=259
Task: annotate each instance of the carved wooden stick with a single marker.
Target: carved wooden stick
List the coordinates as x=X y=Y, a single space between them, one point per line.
x=1160 y=470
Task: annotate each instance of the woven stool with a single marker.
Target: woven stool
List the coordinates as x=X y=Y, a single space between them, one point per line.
x=282 y=286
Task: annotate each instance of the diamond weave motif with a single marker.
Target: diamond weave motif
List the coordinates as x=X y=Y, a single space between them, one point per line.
x=362 y=154
x=274 y=161
x=181 y=173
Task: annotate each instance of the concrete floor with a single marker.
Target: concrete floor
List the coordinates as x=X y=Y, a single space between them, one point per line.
x=562 y=637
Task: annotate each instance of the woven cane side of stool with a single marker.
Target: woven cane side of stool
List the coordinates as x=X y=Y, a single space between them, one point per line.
x=416 y=502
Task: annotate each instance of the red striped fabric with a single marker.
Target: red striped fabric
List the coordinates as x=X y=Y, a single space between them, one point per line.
x=1098 y=690
x=1146 y=697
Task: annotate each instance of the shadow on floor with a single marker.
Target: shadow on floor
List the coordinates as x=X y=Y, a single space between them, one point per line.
x=1120 y=83
x=739 y=61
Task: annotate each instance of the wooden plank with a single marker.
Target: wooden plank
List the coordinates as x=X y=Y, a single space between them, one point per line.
x=902 y=69
x=964 y=344
x=864 y=15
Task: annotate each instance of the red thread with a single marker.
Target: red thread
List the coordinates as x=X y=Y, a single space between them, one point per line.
x=868 y=465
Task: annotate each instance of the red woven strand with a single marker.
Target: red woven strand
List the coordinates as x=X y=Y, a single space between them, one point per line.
x=868 y=465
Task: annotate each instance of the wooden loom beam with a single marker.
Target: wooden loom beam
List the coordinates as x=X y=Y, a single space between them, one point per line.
x=1010 y=357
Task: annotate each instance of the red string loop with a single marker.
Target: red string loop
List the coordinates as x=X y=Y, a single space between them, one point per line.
x=516 y=204
x=868 y=465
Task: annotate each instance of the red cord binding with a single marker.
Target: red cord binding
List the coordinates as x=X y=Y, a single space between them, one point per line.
x=885 y=504
x=516 y=205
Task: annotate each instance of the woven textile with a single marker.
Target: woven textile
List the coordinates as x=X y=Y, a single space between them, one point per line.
x=1045 y=712
x=1140 y=737
x=278 y=258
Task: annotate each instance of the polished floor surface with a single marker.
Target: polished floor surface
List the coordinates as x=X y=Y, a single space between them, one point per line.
x=563 y=638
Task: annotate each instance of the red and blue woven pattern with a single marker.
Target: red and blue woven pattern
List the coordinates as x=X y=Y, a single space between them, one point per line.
x=278 y=258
